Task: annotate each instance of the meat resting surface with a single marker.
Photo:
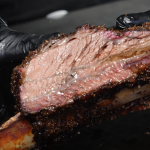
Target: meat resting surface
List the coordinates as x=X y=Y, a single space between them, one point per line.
x=69 y=81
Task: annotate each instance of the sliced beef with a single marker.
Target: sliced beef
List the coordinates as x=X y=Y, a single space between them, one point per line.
x=70 y=81
x=73 y=66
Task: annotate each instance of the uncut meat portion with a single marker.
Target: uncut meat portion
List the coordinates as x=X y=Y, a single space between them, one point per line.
x=80 y=64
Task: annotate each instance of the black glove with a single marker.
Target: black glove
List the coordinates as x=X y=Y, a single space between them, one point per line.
x=129 y=20
x=14 y=46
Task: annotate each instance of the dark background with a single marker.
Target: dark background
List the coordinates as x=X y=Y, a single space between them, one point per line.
x=124 y=133
x=15 y=11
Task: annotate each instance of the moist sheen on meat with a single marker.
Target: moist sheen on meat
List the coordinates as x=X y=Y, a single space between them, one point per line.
x=61 y=85
x=78 y=64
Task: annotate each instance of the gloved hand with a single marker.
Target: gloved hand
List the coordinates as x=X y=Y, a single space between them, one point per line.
x=14 y=46
x=129 y=20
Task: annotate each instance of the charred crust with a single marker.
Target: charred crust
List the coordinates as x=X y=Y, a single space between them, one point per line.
x=58 y=128
x=16 y=81
x=64 y=122
x=144 y=27
x=89 y=27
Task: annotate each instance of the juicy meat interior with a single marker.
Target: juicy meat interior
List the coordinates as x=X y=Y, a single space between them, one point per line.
x=72 y=66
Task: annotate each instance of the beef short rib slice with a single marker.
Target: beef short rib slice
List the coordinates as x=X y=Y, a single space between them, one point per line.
x=69 y=81
x=72 y=67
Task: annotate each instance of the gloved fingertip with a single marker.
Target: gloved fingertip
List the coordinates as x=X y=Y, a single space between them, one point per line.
x=120 y=22
x=126 y=21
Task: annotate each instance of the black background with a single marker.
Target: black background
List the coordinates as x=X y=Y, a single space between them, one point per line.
x=14 y=11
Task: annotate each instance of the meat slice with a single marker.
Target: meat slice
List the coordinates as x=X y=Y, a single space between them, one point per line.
x=70 y=81
x=72 y=67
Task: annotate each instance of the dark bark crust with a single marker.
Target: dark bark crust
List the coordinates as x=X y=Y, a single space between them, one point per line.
x=51 y=128
x=49 y=138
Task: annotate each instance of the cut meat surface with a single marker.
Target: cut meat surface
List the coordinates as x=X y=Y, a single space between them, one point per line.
x=70 y=67
x=73 y=81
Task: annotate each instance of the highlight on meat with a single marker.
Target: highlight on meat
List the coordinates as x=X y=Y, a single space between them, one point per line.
x=72 y=81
